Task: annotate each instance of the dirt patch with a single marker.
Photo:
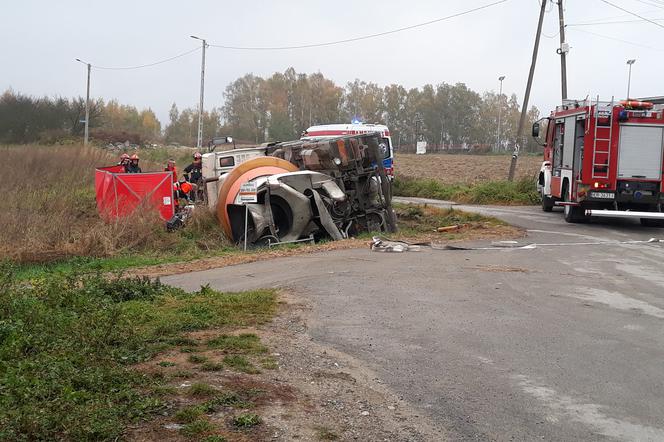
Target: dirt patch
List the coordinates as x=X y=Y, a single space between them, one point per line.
x=311 y=393
x=453 y=169
x=338 y=397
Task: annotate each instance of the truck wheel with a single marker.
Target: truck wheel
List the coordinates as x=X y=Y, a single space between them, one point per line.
x=573 y=214
x=649 y=222
x=547 y=202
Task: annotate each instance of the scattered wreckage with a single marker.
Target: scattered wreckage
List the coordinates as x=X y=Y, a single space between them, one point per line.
x=306 y=190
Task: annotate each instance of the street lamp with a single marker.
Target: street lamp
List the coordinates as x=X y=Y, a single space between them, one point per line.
x=629 y=78
x=199 y=140
x=500 y=107
x=87 y=104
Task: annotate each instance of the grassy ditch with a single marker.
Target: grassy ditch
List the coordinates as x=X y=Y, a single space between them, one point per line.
x=522 y=191
x=69 y=345
x=48 y=212
x=421 y=222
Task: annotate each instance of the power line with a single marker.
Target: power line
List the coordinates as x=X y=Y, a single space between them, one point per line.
x=617 y=39
x=364 y=37
x=117 y=68
x=655 y=4
x=632 y=13
x=612 y=22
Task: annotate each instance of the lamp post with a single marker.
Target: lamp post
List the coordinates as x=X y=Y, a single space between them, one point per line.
x=629 y=77
x=500 y=107
x=87 y=104
x=199 y=140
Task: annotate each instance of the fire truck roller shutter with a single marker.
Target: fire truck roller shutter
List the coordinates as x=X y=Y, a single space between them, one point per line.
x=246 y=171
x=640 y=152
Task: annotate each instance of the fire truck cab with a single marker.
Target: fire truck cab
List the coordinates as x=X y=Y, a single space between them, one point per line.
x=603 y=159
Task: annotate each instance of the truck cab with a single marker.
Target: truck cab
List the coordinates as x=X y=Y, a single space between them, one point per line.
x=217 y=164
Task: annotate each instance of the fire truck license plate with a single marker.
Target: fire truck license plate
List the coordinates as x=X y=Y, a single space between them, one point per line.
x=602 y=195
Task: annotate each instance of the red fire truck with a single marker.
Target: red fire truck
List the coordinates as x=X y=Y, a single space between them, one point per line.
x=603 y=159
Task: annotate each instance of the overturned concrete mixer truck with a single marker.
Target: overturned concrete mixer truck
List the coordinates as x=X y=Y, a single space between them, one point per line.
x=306 y=189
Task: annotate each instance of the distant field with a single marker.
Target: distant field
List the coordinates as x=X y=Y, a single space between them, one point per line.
x=453 y=169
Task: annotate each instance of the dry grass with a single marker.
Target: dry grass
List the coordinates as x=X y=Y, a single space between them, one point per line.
x=48 y=210
x=466 y=169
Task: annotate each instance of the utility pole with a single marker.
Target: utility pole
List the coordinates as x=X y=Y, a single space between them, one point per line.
x=564 y=48
x=199 y=139
x=629 y=77
x=87 y=104
x=500 y=108
x=524 y=108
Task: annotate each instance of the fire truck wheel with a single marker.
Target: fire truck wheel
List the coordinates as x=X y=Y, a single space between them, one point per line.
x=573 y=214
x=547 y=203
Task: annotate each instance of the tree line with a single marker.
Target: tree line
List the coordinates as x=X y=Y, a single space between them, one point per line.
x=283 y=105
x=25 y=119
x=280 y=107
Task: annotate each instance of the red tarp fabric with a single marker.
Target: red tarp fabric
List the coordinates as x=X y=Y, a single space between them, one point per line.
x=120 y=194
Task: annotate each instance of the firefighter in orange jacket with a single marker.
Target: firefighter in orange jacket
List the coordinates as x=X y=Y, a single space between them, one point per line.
x=183 y=190
x=170 y=167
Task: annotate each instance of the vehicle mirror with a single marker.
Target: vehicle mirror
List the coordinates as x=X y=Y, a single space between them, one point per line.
x=536 y=130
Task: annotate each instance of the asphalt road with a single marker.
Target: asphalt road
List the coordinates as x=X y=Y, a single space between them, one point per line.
x=563 y=340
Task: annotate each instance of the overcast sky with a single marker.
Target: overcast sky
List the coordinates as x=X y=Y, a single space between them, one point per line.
x=39 y=41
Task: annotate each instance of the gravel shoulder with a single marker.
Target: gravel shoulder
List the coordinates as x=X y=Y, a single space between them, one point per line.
x=336 y=392
x=309 y=392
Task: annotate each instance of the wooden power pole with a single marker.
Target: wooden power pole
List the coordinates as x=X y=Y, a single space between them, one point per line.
x=562 y=51
x=524 y=108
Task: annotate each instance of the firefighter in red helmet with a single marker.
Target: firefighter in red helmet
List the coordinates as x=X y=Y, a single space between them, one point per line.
x=133 y=166
x=124 y=161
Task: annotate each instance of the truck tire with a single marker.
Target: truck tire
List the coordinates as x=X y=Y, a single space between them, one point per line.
x=573 y=214
x=547 y=202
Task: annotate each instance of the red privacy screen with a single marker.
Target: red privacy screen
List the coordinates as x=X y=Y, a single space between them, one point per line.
x=120 y=194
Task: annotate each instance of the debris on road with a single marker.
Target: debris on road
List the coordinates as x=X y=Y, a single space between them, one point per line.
x=382 y=245
x=449 y=228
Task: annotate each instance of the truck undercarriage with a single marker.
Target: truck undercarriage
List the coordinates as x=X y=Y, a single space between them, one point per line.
x=305 y=190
